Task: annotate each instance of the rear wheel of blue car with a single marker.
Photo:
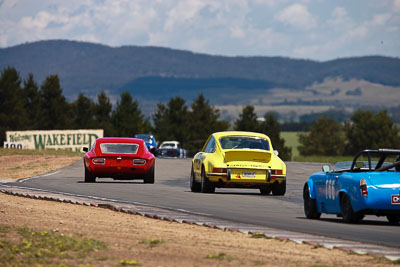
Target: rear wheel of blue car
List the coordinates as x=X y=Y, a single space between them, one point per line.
x=310 y=205
x=149 y=179
x=279 y=189
x=393 y=219
x=348 y=214
x=89 y=178
x=194 y=186
x=206 y=185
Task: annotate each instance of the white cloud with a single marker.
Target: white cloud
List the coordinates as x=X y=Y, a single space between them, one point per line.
x=7 y=4
x=237 y=32
x=182 y=13
x=301 y=28
x=297 y=16
x=396 y=5
x=380 y=19
x=340 y=18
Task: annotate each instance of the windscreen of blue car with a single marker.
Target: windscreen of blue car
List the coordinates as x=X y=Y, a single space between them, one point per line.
x=360 y=164
x=145 y=138
x=119 y=148
x=243 y=142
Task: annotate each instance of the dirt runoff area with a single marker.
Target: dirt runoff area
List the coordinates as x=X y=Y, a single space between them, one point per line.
x=137 y=240
x=22 y=166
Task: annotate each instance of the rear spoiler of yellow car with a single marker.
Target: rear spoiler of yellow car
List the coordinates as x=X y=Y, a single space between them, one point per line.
x=247 y=155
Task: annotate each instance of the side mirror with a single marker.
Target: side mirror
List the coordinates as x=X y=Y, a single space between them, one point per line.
x=276 y=152
x=326 y=168
x=85 y=149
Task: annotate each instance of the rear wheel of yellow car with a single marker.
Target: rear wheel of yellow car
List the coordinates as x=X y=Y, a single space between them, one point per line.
x=265 y=190
x=194 y=186
x=279 y=189
x=206 y=185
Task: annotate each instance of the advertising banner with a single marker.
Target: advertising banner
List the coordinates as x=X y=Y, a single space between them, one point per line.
x=73 y=140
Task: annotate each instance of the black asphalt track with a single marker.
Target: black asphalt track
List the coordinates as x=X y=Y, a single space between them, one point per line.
x=171 y=190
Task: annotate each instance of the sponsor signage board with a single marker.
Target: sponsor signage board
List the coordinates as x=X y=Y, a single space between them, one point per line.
x=73 y=140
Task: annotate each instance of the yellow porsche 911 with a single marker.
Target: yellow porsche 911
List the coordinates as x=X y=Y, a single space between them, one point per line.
x=239 y=160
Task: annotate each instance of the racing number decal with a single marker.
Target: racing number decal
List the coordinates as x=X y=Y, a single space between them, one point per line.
x=330 y=189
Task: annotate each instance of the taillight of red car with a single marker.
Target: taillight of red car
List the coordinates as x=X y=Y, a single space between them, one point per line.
x=139 y=161
x=99 y=161
x=363 y=188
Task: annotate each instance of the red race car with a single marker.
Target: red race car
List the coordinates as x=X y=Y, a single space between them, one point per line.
x=120 y=159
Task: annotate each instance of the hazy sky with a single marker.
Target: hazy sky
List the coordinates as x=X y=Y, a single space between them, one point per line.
x=312 y=29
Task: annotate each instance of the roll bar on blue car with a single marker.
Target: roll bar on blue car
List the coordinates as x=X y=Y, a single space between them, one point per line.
x=383 y=152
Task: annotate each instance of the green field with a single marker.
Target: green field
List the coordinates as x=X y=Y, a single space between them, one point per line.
x=292 y=141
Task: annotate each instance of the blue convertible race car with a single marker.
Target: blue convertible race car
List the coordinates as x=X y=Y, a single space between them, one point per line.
x=150 y=141
x=368 y=185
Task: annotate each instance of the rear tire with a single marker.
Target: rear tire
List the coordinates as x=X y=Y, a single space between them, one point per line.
x=265 y=191
x=149 y=179
x=310 y=205
x=348 y=214
x=206 y=185
x=279 y=189
x=393 y=219
x=89 y=177
x=194 y=186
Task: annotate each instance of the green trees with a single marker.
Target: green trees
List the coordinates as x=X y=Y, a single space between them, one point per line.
x=368 y=130
x=102 y=114
x=12 y=107
x=247 y=121
x=127 y=118
x=365 y=130
x=204 y=120
x=271 y=127
x=175 y=121
x=30 y=107
x=32 y=102
x=326 y=137
x=55 y=111
x=171 y=121
x=83 y=113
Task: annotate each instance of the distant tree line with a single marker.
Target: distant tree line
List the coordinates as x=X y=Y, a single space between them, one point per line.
x=364 y=130
x=24 y=105
x=27 y=106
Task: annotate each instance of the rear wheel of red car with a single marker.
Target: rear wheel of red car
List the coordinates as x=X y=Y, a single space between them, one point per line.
x=194 y=186
x=393 y=219
x=310 y=205
x=89 y=178
x=265 y=190
x=206 y=185
x=149 y=179
x=279 y=189
x=348 y=214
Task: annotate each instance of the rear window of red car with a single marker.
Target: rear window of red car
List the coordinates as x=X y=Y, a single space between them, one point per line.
x=119 y=148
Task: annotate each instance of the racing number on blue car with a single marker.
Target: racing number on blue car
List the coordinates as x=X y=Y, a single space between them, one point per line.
x=330 y=189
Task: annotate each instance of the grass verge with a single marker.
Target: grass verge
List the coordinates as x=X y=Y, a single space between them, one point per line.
x=21 y=246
